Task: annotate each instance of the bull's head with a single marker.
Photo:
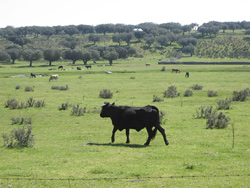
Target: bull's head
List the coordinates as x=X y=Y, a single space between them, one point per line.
x=106 y=110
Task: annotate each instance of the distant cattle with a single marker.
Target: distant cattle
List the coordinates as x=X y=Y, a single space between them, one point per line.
x=78 y=68
x=147 y=64
x=60 y=67
x=187 y=74
x=32 y=75
x=88 y=66
x=53 y=77
x=107 y=72
x=126 y=117
x=176 y=70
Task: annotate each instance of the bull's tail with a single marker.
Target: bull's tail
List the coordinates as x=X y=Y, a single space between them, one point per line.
x=154 y=134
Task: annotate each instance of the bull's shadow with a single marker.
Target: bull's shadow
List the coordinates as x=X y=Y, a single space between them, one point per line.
x=117 y=145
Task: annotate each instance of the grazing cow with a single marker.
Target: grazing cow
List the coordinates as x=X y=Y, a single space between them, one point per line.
x=187 y=74
x=54 y=77
x=32 y=75
x=78 y=68
x=147 y=64
x=126 y=117
x=60 y=67
x=88 y=66
x=176 y=70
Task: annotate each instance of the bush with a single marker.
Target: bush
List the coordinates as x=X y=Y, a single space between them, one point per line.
x=39 y=104
x=157 y=99
x=64 y=106
x=224 y=104
x=28 y=88
x=30 y=102
x=21 y=121
x=196 y=87
x=106 y=94
x=62 y=88
x=241 y=95
x=22 y=136
x=12 y=104
x=18 y=87
x=77 y=110
x=204 y=112
x=163 y=68
x=171 y=92
x=162 y=115
x=217 y=121
x=188 y=93
x=211 y=93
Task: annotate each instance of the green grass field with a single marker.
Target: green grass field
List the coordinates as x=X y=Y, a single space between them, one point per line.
x=73 y=151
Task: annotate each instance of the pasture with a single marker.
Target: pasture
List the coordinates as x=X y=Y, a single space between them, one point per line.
x=76 y=151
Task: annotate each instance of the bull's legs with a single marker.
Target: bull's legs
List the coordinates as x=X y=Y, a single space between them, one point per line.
x=162 y=131
x=113 y=134
x=150 y=135
x=127 y=134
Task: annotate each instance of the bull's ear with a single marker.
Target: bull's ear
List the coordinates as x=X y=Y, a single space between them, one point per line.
x=113 y=103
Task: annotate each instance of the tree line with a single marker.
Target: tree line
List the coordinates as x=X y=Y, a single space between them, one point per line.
x=66 y=41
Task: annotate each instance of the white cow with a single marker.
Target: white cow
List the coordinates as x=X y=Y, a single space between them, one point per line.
x=54 y=77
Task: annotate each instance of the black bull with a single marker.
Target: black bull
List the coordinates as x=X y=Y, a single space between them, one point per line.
x=125 y=117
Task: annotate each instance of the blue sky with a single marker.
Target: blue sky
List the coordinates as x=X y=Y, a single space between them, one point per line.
x=19 y=13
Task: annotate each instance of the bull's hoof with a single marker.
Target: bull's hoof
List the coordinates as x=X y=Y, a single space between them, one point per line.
x=167 y=143
x=146 y=144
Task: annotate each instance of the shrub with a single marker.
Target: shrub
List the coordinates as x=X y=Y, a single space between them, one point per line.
x=21 y=121
x=12 y=104
x=28 y=88
x=204 y=112
x=157 y=99
x=38 y=104
x=188 y=93
x=241 y=95
x=217 y=121
x=132 y=77
x=62 y=88
x=163 y=68
x=30 y=102
x=224 y=104
x=106 y=94
x=196 y=87
x=211 y=93
x=18 y=87
x=64 y=106
x=171 y=92
x=162 y=115
x=22 y=136
x=77 y=110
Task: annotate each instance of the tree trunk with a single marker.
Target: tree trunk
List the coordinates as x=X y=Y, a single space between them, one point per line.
x=31 y=63
x=110 y=62
x=50 y=63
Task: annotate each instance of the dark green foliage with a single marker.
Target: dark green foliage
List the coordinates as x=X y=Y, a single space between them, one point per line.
x=22 y=137
x=21 y=121
x=204 y=112
x=64 y=106
x=18 y=87
x=188 y=93
x=106 y=94
x=211 y=93
x=224 y=104
x=14 y=104
x=217 y=121
x=162 y=115
x=196 y=87
x=78 y=111
x=171 y=92
x=157 y=99
x=28 y=88
x=241 y=95
x=39 y=103
x=62 y=88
